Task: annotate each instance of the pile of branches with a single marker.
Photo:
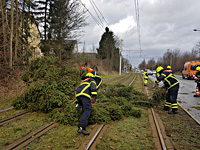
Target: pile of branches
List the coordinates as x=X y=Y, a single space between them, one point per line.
x=51 y=88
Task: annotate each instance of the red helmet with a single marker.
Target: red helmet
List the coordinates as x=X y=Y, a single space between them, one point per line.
x=82 y=68
x=90 y=70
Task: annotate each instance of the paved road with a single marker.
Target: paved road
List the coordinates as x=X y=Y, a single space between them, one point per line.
x=186 y=96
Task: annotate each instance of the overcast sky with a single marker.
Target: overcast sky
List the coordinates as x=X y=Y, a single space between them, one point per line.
x=164 y=24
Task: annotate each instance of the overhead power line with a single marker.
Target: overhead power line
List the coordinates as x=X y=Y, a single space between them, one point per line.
x=100 y=13
x=93 y=5
x=137 y=12
x=96 y=20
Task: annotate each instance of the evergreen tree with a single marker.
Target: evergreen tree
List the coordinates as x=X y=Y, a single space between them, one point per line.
x=108 y=50
x=65 y=20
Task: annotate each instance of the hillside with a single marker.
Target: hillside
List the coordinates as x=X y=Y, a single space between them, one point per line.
x=10 y=82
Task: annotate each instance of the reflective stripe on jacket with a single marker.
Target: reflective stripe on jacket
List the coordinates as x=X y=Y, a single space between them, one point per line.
x=197 y=76
x=168 y=78
x=87 y=88
x=96 y=77
x=145 y=76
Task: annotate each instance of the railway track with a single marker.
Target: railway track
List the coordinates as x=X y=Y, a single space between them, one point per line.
x=6 y=109
x=4 y=121
x=161 y=141
x=120 y=79
x=19 y=144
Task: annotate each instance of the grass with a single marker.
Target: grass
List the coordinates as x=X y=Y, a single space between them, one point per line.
x=20 y=127
x=198 y=108
x=130 y=133
x=137 y=83
x=182 y=130
x=6 y=103
x=9 y=113
x=61 y=137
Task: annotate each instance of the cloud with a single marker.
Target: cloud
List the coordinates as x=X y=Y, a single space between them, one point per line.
x=124 y=25
x=164 y=24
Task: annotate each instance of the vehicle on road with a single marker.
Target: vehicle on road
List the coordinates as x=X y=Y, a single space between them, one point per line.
x=190 y=69
x=149 y=72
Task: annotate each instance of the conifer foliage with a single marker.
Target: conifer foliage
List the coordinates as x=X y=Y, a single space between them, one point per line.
x=108 y=49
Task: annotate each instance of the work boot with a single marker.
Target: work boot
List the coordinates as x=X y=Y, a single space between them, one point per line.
x=83 y=132
x=172 y=112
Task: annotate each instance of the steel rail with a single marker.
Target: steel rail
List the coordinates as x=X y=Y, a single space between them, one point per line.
x=19 y=144
x=162 y=142
x=94 y=137
x=159 y=131
x=132 y=81
x=124 y=79
x=11 y=118
x=6 y=109
x=197 y=121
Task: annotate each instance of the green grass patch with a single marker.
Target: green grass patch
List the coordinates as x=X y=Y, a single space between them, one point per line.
x=131 y=133
x=20 y=127
x=9 y=113
x=60 y=138
x=5 y=103
x=184 y=93
x=198 y=108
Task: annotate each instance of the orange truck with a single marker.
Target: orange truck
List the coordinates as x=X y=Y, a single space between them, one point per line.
x=190 y=69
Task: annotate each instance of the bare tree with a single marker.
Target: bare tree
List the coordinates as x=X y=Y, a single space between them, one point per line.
x=11 y=35
x=2 y=5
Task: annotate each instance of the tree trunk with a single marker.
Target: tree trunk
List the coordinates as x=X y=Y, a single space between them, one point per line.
x=11 y=35
x=16 y=29
x=4 y=34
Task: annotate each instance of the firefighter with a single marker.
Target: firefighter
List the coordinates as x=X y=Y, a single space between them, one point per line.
x=197 y=77
x=93 y=74
x=172 y=85
x=169 y=69
x=145 y=76
x=86 y=94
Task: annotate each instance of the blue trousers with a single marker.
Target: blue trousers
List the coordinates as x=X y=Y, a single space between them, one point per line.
x=86 y=108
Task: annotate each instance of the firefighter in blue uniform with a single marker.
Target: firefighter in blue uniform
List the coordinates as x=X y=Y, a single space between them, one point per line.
x=86 y=94
x=93 y=74
x=169 y=69
x=172 y=85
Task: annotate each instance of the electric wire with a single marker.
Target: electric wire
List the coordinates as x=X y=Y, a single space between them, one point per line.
x=97 y=13
x=138 y=23
x=97 y=22
x=100 y=13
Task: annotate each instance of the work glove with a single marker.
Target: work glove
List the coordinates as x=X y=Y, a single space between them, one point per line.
x=93 y=100
x=156 y=83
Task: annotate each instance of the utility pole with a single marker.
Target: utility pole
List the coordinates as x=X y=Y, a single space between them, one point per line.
x=120 y=58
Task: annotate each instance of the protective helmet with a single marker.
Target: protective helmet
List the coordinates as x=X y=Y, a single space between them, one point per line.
x=90 y=75
x=198 y=68
x=158 y=69
x=82 y=68
x=169 y=67
x=90 y=70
